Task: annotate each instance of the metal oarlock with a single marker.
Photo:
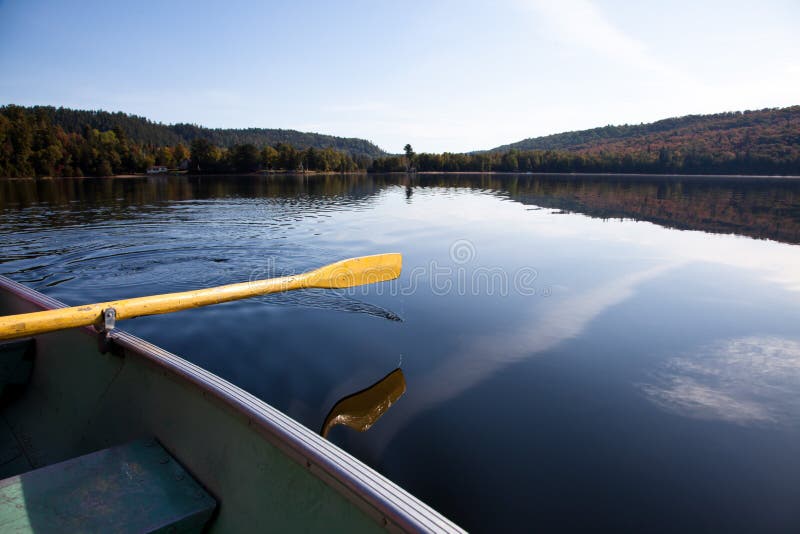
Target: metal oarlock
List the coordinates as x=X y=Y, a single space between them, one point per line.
x=109 y=319
x=109 y=322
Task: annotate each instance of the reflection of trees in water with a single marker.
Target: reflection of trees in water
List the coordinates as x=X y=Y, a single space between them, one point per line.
x=150 y=190
x=756 y=207
x=76 y=201
x=759 y=210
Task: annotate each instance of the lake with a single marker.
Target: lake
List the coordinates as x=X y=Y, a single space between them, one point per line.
x=577 y=352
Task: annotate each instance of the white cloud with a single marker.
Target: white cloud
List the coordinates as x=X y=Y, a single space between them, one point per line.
x=581 y=23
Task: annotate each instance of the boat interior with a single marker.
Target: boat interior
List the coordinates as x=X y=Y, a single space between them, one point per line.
x=94 y=423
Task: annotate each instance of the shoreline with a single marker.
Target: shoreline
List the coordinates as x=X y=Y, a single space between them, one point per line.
x=632 y=174
x=185 y=174
x=402 y=173
x=600 y=174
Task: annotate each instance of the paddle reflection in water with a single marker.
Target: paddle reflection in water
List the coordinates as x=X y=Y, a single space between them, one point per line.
x=362 y=409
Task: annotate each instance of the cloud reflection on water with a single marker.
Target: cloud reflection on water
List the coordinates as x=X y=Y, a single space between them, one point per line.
x=750 y=380
x=486 y=355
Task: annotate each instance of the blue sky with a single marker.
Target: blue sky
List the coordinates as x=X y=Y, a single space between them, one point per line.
x=441 y=75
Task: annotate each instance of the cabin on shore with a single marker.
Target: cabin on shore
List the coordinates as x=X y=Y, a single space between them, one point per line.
x=157 y=169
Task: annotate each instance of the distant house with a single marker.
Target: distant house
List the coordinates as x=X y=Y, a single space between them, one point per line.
x=157 y=169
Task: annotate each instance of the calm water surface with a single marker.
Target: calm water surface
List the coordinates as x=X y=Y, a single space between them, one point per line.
x=586 y=353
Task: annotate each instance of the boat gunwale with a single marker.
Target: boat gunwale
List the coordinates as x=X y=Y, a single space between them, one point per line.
x=387 y=500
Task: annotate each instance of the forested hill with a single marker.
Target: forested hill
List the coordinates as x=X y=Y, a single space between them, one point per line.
x=766 y=131
x=142 y=130
x=228 y=137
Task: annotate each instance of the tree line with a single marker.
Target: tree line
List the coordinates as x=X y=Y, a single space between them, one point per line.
x=143 y=130
x=694 y=157
x=45 y=141
x=751 y=142
x=766 y=122
x=209 y=158
x=32 y=145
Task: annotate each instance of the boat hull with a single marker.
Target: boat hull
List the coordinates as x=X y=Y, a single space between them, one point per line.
x=268 y=472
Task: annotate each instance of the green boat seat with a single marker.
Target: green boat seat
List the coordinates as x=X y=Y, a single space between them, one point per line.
x=136 y=487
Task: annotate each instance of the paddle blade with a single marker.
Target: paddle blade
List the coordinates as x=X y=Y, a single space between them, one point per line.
x=362 y=409
x=356 y=271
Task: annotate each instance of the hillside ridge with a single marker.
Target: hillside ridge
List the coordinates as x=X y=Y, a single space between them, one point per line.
x=650 y=133
x=144 y=130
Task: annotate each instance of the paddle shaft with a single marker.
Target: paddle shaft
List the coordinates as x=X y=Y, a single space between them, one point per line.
x=346 y=273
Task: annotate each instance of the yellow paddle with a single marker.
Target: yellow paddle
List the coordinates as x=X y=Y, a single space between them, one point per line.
x=345 y=273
